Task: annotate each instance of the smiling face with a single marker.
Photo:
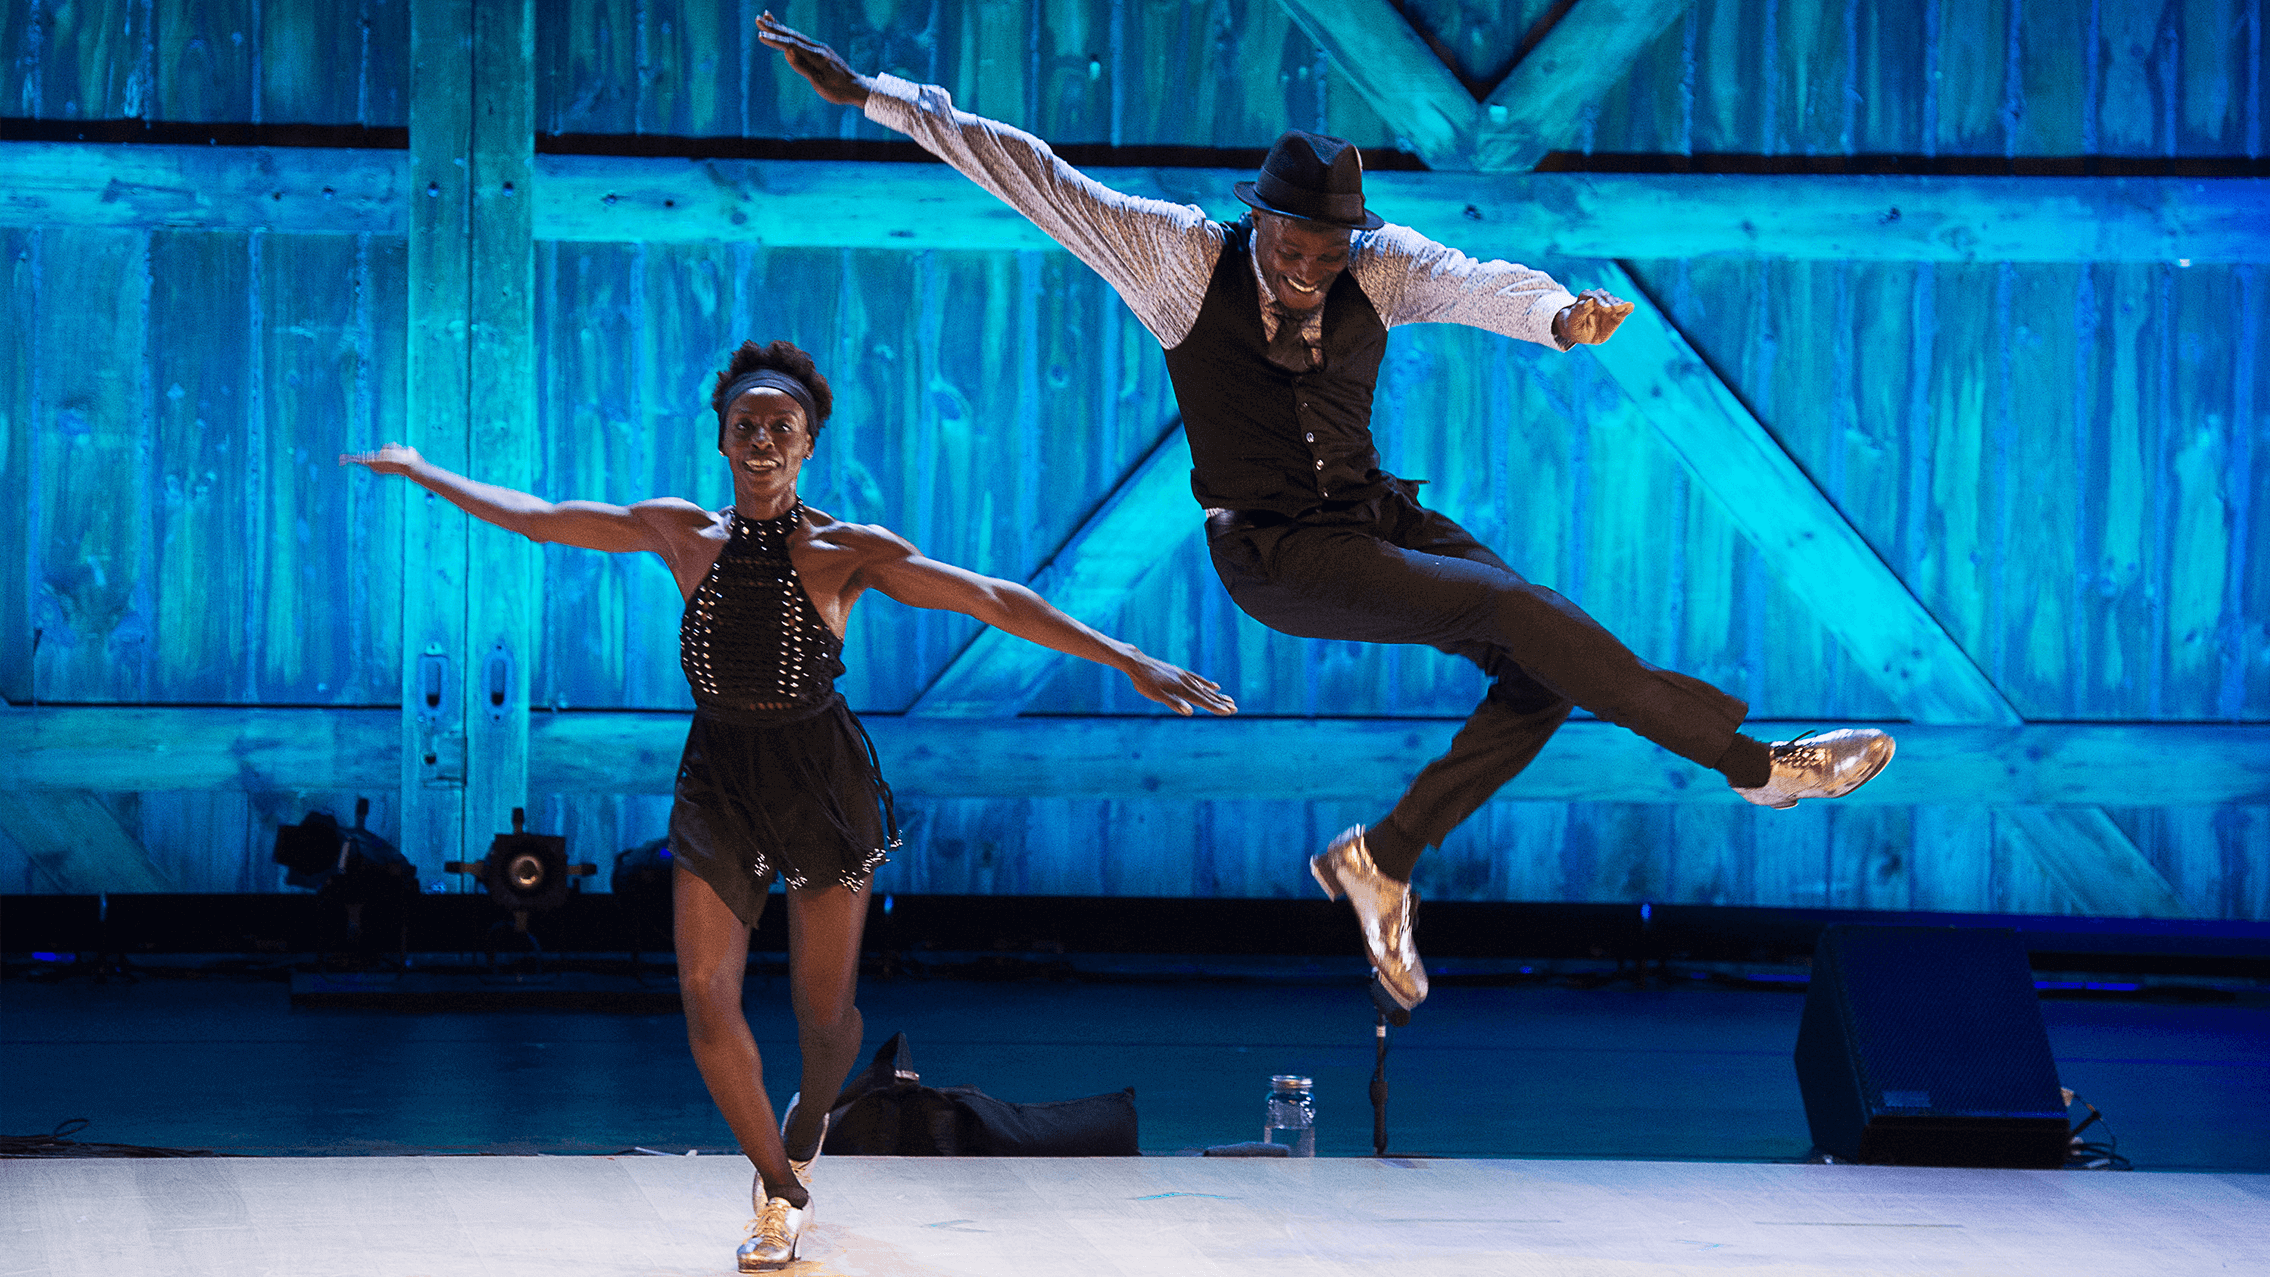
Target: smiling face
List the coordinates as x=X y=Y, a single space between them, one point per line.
x=1299 y=260
x=767 y=441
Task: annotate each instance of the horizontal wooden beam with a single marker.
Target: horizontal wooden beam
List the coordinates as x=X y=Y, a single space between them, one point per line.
x=1521 y=216
x=295 y=190
x=831 y=204
x=2093 y=764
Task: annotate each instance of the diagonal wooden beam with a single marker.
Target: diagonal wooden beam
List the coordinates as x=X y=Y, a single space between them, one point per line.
x=1536 y=108
x=997 y=675
x=1807 y=542
x=1392 y=67
x=1540 y=104
x=2092 y=859
x=76 y=843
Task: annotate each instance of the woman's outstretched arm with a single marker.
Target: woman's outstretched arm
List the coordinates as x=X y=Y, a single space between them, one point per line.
x=900 y=571
x=593 y=525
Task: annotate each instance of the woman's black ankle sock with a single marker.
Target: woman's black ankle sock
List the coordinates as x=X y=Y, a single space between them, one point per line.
x=793 y=1191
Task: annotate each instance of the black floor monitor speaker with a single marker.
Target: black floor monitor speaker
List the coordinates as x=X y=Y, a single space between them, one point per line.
x=1924 y=1046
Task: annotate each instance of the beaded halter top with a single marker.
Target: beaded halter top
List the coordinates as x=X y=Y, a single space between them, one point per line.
x=750 y=638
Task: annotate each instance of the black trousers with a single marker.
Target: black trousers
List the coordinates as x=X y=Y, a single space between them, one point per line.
x=1396 y=572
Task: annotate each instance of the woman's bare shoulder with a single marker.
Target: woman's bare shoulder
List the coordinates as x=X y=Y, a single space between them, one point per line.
x=866 y=540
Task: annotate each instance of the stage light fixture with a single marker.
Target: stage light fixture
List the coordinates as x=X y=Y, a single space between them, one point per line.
x=351 y=869
x=525 y=873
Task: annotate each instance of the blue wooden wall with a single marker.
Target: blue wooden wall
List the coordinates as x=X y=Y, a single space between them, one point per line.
x=2067 y=464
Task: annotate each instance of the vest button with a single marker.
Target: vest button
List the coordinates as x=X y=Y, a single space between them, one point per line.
x=1320 y=465
x=1310 y=436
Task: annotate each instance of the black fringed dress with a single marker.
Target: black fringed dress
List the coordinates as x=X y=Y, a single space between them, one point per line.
x=778 y=775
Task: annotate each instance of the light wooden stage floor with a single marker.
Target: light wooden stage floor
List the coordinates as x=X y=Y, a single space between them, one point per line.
x=640 y=1216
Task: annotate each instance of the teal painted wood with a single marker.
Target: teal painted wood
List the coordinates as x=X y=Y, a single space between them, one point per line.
x=1915 y=77
x=89 y=397
x=503 y=574
x=209 y=615
x=19 y=261
x=1403 y=79
x=433 y=553
x=1542 y=105
x=1921 y=77
x=208 y=58
x=913 y=207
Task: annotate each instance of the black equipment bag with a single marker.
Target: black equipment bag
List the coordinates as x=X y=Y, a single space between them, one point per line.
x=887 y=1111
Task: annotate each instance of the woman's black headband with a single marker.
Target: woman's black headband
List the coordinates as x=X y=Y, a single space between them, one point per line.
x=777 y=380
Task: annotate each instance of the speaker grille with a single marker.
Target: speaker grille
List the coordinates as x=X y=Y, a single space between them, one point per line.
x=1926 y=1045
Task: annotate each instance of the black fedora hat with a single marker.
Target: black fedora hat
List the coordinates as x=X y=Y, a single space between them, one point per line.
x=1314 y=178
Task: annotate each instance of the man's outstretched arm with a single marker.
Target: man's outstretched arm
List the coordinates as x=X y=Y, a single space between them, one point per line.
x=1158 y=255
x=1416 y=280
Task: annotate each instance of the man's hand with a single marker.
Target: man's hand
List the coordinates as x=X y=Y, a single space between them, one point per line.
x=831 y=77
x=394 y=458
x=1177 y=688
x=1592 y=319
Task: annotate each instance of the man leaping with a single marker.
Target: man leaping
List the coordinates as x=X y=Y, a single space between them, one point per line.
x=1274 y=327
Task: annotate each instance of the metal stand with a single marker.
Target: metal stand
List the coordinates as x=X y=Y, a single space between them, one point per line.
x=1385 y=1011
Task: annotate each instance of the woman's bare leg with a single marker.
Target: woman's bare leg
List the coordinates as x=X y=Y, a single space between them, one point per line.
x=825 y=925
x=713 y=954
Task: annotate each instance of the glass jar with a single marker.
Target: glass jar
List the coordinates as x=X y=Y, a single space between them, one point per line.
x=1291 y=1115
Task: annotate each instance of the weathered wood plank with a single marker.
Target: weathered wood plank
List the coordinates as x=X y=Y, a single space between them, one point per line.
x=89 y=505
x=1540 y=104
x=77 y=844
x=202 y=371
x=998 y=674
x=1375 y=47
x=207 y=51
x=94 y=61
x=19 y=306
x=2065 y=764
x=436 y=682
x=1811 y=547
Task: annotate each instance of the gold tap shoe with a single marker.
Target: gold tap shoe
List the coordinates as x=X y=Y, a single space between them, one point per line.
x=1384 y=908
x=803 y=1169
x=1829 y=765
x=773 y=1236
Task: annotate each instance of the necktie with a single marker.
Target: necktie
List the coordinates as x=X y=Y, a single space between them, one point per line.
x=1287 y=350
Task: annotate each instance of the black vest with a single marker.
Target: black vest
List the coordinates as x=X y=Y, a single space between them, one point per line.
x=1265 y=438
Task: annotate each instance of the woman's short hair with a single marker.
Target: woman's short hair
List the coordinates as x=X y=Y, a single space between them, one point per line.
x=777 y=356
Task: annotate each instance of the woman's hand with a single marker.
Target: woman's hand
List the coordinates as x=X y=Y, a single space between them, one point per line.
x=1173 y=686
x=830 y=76
x=394 y=458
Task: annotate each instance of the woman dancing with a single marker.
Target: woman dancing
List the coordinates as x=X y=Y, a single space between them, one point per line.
x=778 y=778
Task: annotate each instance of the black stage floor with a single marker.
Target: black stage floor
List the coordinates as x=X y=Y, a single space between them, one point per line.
x=1690 y=1068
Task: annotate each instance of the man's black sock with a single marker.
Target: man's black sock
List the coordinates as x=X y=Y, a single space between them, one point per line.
x=1394 y=851
x=1746 y=764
